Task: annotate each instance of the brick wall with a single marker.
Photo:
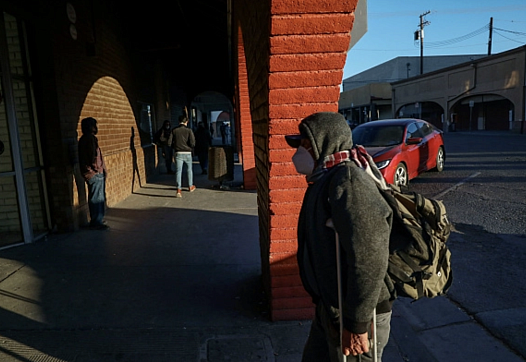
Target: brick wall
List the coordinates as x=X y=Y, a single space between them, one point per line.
x=94 y=75
x=118 y=139
x=306 y=46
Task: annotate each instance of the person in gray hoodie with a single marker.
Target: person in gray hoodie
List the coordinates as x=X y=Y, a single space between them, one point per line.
x=338 y=189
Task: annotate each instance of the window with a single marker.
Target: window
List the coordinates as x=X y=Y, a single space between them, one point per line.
x=413 y=131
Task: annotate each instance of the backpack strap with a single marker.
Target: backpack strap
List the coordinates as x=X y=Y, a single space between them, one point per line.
x=418 y=273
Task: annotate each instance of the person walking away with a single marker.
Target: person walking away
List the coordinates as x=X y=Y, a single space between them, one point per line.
x=222 y=128
x=163 y=139
x=227 y=132
x=183 y=143
x=93 y=171
x=203 y=141
x=339 y=190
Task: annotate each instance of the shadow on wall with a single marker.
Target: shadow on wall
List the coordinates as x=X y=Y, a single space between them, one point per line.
x=134 y=161
x=108 y=103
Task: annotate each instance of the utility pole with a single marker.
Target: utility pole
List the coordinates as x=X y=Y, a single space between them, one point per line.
x=422 y=24
x=490 y=35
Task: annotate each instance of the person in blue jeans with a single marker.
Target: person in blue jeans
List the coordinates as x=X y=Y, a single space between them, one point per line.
x=93 y=170
x=183 y=143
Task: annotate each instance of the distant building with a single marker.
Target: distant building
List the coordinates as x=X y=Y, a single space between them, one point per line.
x=367 y=96
x=483 y=94
x=470 y=92
x=404 y=67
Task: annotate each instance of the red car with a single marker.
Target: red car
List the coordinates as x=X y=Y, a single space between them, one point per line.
x=402 y=148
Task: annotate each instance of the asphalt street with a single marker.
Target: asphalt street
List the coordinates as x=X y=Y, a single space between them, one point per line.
x=484 y=188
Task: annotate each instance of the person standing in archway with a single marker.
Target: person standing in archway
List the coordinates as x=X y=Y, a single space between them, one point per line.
x=93 y=171
x=203 y=141
x=163 y=139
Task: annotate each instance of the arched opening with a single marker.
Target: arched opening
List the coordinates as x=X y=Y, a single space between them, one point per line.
x=428 y=111
x=207 y=107
x=489 y=112
x=120 y=142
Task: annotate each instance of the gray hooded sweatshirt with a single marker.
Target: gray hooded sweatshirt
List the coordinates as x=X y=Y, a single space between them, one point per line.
x=362 y=219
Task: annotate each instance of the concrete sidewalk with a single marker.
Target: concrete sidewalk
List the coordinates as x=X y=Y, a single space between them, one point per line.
x=179 y=280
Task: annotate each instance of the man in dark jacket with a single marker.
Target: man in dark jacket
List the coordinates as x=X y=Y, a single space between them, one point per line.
x=93 y=171
x=163 y=139
x=183 y=143
x=339 y=190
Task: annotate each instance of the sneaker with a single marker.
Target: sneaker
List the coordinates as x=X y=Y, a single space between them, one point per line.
x=178 y=194
x=191 y=188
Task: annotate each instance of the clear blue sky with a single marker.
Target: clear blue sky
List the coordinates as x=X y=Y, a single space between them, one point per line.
x=455 y=27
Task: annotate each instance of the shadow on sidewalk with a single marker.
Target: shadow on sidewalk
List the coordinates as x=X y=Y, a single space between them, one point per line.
x=166 y=269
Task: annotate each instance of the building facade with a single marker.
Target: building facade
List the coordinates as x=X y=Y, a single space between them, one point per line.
x=132 y=67
x=483 y=93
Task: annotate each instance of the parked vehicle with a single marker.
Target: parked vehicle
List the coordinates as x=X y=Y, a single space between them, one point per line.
x=402 y=148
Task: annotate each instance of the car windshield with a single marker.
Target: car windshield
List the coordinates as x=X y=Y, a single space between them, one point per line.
x=376 y=136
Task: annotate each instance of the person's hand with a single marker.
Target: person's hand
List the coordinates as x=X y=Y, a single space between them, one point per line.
x=354 y=344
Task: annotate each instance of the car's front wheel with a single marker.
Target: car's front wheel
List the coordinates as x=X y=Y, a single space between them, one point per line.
x=400 y=176
x=441 y=160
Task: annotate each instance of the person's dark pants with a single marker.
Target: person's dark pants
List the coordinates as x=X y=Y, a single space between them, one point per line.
x=168 y=157
x=324 y=344
x=202 y=156
x=96 y=199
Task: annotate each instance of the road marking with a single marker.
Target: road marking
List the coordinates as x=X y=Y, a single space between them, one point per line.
x=437 y=196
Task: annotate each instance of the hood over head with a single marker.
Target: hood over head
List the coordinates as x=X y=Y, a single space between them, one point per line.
x=328 y=133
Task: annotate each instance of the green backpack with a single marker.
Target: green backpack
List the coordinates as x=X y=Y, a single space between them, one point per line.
x=419 y=260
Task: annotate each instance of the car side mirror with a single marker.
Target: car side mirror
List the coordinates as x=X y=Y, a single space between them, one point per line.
x=414 y=140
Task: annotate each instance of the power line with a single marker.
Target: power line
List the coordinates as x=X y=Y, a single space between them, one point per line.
x=505 y=37
x=449 y=42
x=511 y=31
x=438 y=44
x=484 y=29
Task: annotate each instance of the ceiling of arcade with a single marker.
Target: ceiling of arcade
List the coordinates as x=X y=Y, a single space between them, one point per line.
x=191 y=37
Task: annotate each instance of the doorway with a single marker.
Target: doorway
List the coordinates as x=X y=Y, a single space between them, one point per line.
x=23 y=203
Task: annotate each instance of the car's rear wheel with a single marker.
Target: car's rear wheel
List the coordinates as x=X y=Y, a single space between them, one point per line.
x=441 y=160
x=400 y=176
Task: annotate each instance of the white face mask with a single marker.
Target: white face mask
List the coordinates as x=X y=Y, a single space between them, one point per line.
x=303 y=161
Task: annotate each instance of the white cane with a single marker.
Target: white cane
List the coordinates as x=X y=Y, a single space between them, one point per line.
x=330 y=224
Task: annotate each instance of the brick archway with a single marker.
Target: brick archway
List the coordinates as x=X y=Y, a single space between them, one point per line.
x=119 y=140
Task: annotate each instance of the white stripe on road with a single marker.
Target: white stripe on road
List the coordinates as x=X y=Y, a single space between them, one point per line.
x=437 y=196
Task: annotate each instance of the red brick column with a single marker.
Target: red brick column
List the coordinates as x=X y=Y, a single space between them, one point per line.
x=244 y=118
x=308 y=45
